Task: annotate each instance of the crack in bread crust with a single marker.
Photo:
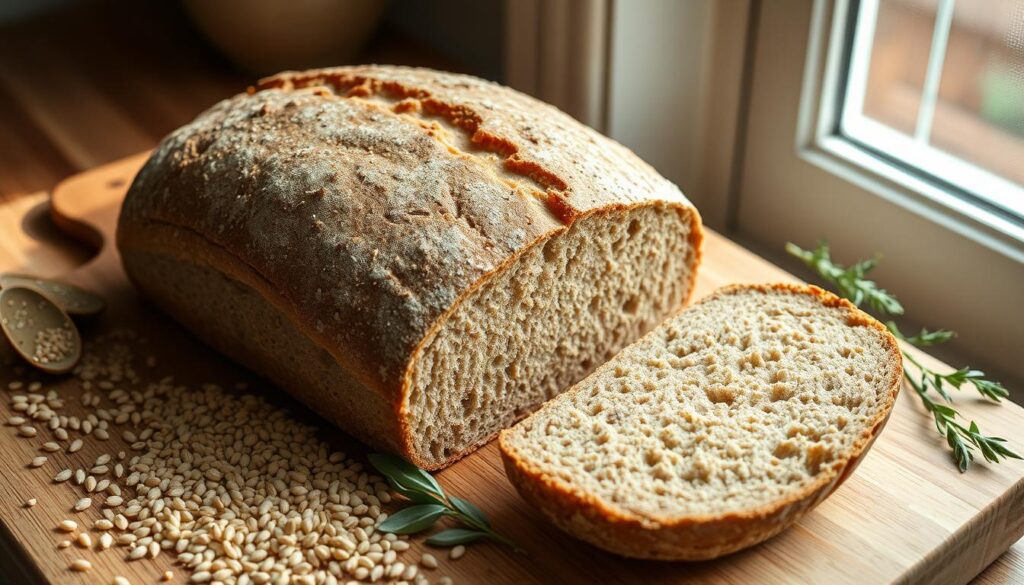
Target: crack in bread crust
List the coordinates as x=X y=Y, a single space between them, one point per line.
x=408 y=99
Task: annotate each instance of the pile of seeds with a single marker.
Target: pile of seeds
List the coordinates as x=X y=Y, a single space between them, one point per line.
x=234 y=488
x=53 y=344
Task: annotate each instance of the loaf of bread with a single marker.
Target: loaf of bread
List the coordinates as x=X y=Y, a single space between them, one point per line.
x=423 y=258
x=717 y=430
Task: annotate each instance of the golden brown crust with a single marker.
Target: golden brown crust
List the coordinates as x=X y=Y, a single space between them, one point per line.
x=367 y=202
x=698 y=537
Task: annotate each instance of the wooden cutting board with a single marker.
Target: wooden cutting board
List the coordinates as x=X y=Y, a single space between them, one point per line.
x=906 y=516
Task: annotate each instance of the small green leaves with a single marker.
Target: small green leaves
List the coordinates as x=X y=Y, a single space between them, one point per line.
x=454 y=536
x=962 y=441
x=961 y=452
x=988 y=388
x=924 y=338
x=852 y=284
x=432 y=504
x=413 y=519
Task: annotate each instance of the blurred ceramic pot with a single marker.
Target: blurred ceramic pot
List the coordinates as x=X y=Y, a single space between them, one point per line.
x=267 y=36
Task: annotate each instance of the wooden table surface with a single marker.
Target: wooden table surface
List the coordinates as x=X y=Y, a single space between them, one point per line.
x=94 y=83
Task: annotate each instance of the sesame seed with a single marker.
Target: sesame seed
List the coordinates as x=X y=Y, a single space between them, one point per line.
x=81 y=565
x=38 y=461
x=82 y=504
x=30 y=502
x=68 y=525
x=457 y=552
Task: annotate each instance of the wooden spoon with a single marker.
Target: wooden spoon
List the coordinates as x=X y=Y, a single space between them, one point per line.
x=74 y=300
x=39 y=330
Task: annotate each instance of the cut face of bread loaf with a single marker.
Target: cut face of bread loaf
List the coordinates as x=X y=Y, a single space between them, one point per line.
x=422 y=257
x=715 y=431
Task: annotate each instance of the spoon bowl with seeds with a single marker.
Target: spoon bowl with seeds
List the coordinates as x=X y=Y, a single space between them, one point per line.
x=74 y=300
x=39 y=330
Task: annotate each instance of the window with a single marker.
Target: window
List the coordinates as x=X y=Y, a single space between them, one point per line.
x=938 y=86
x=849 y=138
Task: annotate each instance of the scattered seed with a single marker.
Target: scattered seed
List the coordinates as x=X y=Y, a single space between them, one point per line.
x=167 y=576
x=31 y=502
x=64 y=544
x=38 y=461
x=27 y=431
x=81 y=565
x=428 y=560
x=257 y=495
x=457 y=552
x=119 y=580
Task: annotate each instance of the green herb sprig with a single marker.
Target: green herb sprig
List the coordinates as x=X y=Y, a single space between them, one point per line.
x=852 y=284
x=430 y=504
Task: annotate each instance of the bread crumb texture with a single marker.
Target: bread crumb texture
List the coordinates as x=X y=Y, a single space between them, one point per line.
x=751 y=399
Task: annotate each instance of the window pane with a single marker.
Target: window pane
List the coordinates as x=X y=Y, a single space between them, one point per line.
x=980 y=112
x=899 y=60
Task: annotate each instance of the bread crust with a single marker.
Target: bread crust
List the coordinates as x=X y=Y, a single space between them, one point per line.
x=698 y=537
x=365 y=203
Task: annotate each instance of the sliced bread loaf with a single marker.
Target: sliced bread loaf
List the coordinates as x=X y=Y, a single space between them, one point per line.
x=717 y=430
x=421 y=257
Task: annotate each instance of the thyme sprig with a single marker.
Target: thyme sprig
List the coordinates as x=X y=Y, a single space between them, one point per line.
x=430 y=504
x=853 y=284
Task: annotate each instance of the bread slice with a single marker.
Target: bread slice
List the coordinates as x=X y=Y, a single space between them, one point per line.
x=421 y=257
x=714 y=432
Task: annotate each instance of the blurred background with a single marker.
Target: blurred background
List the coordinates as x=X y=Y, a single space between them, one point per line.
x=892 y=127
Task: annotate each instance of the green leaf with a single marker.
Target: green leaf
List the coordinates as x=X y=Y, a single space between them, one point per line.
x=454 y=536
x=469 y=509
x=961 y=451
x=850 y=282
x=991 y=389
x=412 y=495
x=925 y=337
x=412 y=519
x=405 y=474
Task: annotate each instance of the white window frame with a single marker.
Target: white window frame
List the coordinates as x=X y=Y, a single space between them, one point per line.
x=954 y=264
x=833 y=135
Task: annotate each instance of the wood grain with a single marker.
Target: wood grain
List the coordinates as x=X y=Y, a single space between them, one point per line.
x=906 y=516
